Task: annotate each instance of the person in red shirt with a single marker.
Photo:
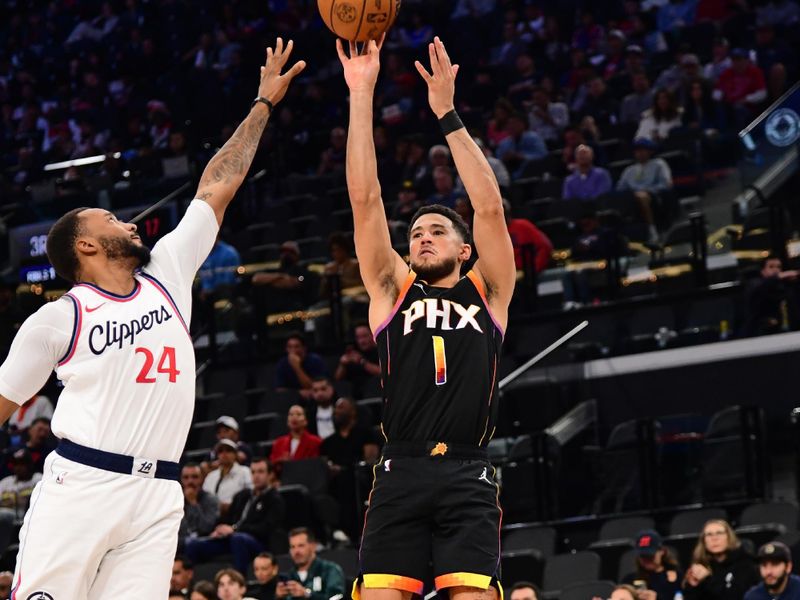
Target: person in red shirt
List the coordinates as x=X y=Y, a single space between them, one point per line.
x=742 y=84
x=524 y=233
x=296 y=444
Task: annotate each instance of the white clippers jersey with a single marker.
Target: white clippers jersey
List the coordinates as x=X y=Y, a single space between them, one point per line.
x=127 y=363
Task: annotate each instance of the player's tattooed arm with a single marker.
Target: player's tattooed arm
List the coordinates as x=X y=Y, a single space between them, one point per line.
x=226 y=171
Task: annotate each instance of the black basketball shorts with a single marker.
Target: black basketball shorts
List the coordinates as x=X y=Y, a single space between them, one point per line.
x=432 y=503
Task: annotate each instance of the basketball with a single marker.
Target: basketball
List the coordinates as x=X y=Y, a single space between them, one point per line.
x=357 y=23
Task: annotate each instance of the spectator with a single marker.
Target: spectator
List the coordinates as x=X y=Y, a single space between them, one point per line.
x=595 y=242
x=587 y=182
x=663 y=117
x=246 y=528
x=464 y=209
x=231 y=585
x=6 y=579
x=624 y=592
x=332 y=159
x=647 y=179
x=499 y=169
x=777 y=580
x=407 y=204
x=180 y=584
x=720 y=569
x=772 y=51
x=783 y=13
x=311 y=577
x=676 y=14
x=638 y=101
x=320 y=413
x=296 y=370
x=37 y=407
x=343 y=264
x=204 y=590
x=296 y=444
x=228 y=429
x=39 y=444
x=200 y=508
x=524 y=79
x=265 y=570
x=524 y=590
x=218 y=273
x=720 y=61
x=497 y=129
x=528 y=241
x=742 y=86
x=348 y=446
x=16 y=489
x=444 y=188
x=360 y=364
x=289 y=285
x=770 y=299
x=547 y=119
x=614 y=58
x=656 y=567
x=598 y=103
x=700 y=112
x=520 y=147
x=229 y=478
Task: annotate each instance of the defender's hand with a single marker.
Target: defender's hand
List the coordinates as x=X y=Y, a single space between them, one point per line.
x=361 y=70
x=273 y=85
x=442 y=84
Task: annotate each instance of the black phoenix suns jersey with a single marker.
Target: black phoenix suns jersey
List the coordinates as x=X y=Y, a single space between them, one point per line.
x=439 y=350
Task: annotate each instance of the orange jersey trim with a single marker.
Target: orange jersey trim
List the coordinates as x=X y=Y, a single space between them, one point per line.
x=392 y=582
x=463 y=579
x=478 y=283
x=410 y=278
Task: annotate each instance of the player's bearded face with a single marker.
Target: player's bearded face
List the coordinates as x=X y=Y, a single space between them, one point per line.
x=124 y=248
x=431 y=269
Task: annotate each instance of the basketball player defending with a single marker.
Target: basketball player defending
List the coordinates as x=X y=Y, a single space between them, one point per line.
x=434 y=499
x=103 y=522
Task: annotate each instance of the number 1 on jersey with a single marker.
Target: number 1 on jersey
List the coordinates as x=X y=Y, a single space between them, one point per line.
x=439 y=360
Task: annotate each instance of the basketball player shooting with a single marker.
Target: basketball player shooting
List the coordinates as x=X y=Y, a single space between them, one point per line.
x=434 y=498
x=103 y=522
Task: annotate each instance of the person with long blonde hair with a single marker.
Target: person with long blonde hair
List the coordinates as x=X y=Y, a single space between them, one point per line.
x=720 y=569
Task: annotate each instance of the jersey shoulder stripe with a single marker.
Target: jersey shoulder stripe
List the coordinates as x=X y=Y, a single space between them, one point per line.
x=410 y=278
x=165 y=292
x=76 y=330
x=110 y=296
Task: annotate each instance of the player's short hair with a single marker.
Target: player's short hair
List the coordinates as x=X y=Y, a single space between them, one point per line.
x=186 y=563
x=459 y=224
x=61 y=244
x=232 y=573
x=303 y=531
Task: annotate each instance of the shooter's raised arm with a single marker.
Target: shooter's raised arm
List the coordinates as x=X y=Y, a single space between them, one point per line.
x=382 y=269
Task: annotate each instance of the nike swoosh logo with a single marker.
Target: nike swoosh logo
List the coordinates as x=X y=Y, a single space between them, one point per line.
x=88 y=310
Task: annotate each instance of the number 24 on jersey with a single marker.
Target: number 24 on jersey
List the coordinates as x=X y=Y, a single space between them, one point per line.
x=166 y=365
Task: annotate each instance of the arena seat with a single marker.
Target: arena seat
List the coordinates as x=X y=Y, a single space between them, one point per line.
x=522 y=565
x=587 y=590
x=692 y=521
x=610 y=553
x=784 y=513
x=625 y=527
x=529 y=537
x=565 y=569
x=627 y=564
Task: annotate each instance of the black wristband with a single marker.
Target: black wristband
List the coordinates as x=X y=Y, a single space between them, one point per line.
x=450 y=122
x=264 y=101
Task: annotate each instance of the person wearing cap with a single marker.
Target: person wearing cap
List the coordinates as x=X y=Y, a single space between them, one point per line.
x=246 y=528
x=228 y=428
x=545 y=117
x=615 y=54
x=721 y=569
x=656 y=568
x=777 y=580
x=230 y=477
x=16 y=489
x=647 y=179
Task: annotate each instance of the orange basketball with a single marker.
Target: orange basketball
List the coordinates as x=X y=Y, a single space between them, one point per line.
x=358 y=20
